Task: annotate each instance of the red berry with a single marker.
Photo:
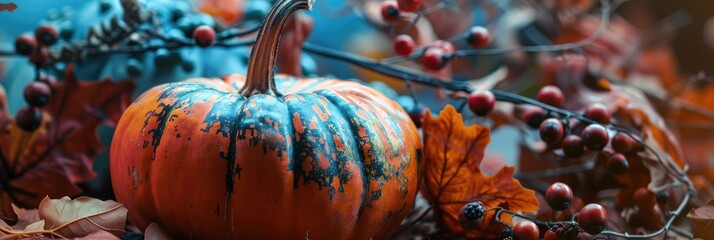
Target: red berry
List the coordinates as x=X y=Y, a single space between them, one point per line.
x=534 y=117
x=46 y=34
x=551 y=130
x=592 y=218
x=551 y=235
x=409 y=5
x=598 y=112
x=559 y=195
x=28 y=118
x=390 y=11
x=595 y=137
x=433 y=58
x=481 y=102
x=617 y=163
x=573 y=146
x=526 y=230
x=404 y=45
x=50 y=81
x=623 y=143
x=644 y=199
x=37 y=93
x=24 y=45
x=551 y=95
x=204 y=36
x=478 y=37
x=39 y=55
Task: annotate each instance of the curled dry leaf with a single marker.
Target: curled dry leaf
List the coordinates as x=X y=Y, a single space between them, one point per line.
x=57 y=156
x=453 y=153
x=83 y=217
x=703 y=220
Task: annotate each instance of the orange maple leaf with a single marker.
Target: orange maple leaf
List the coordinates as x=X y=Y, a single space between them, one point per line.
x=453 y=153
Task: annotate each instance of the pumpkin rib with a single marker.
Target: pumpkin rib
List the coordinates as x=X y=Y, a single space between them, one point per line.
x=373 y=171
x=360 y=154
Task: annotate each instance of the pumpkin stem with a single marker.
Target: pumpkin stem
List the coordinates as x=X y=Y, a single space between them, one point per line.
x=259 y=79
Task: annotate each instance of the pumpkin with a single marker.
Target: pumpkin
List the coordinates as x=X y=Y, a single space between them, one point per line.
x=265 y=156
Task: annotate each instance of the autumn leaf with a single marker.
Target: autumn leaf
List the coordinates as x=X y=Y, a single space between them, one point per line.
x=82 y=218
x=57 y=156
x=453 y=153
x=703 y=220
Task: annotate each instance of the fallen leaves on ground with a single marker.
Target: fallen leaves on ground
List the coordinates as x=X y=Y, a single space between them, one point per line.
x=60 y=154
x=453 y=153
x=81 y=218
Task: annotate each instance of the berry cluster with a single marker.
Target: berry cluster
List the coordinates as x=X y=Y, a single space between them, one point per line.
x=37 y=94
x=574 y=140
x=35 y=47
x=433 y=56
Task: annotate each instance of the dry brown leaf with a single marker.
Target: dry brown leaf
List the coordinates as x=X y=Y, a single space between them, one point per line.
x=82 y=216
x=703 y=220
x=453 y=153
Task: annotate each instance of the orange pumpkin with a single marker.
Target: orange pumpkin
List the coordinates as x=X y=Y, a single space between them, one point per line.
x=281 y=158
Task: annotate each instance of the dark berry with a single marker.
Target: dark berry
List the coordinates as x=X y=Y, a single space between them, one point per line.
x=417 y=114
x=534 y=117
x=478 y=37
x=481 y=102
x=433 y=58
x=526 y=230
x=390 y=11
x=623 y=143
x=506 y=234
x=37 y=94
x=46 y=34
x=559 y=195
x=662 y=197
x=598 y=112
x=617 y=163
x=404 y=45
x=24 y=45
x=551 y=95
x=204 y=36
x=573 y=146
x=551 y=130
x=474 y=211
x=562 y=231
x=408 y=5
x=592 y=218
x=595 y=137
x=28 y=118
